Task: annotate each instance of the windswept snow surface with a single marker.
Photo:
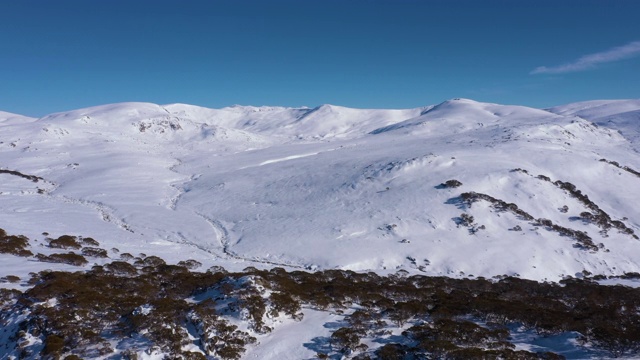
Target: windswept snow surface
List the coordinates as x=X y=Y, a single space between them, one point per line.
x=329 y=187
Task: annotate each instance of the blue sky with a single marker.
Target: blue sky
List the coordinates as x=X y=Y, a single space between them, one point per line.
x=61 y=55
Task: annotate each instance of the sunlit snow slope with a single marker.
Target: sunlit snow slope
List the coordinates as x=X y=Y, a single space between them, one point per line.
x=333 y=187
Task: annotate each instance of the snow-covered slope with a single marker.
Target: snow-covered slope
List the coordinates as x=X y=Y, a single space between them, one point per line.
x=597 y=109
x=333 y=187
x=621 y=115
x=7 y=118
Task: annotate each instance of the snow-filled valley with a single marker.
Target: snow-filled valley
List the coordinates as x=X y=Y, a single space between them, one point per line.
x=538 y=194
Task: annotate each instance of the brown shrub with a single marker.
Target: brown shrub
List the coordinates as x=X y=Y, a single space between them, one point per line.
x=121 y=268
x=90 y=242
x=94 y=252
x=65 y=242
x=15 y=245
x=10 y=278
x=69 y=258
x=190 y=264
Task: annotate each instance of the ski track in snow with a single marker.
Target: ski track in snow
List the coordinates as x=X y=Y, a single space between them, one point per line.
x=219 y=230
x=210 y=250
x=222 y=234
x=105 y=212
x=173 y=201
x=179 y=186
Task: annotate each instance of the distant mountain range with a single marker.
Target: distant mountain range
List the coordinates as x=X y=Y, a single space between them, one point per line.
x=540 y=194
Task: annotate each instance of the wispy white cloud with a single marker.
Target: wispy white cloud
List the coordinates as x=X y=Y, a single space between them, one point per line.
x=591 y=61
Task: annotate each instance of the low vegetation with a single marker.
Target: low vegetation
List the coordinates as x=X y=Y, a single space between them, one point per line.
x=443 y=318
x=583 y=240
x=625 y=168
x=14 y=244
x=170 y=308
x=19 y=174
x=69 y=258
x=450 y=184
x=94 y=252
x=599 y=217
x=65 y=242
x=596 y=215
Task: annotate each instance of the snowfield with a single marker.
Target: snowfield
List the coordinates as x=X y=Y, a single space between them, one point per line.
x=538 y=194
x=331 y=187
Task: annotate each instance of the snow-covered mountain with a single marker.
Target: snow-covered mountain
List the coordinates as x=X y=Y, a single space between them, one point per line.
x=334 y=187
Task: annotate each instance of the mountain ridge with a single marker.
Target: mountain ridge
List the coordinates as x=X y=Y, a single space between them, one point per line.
x=334 y=187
